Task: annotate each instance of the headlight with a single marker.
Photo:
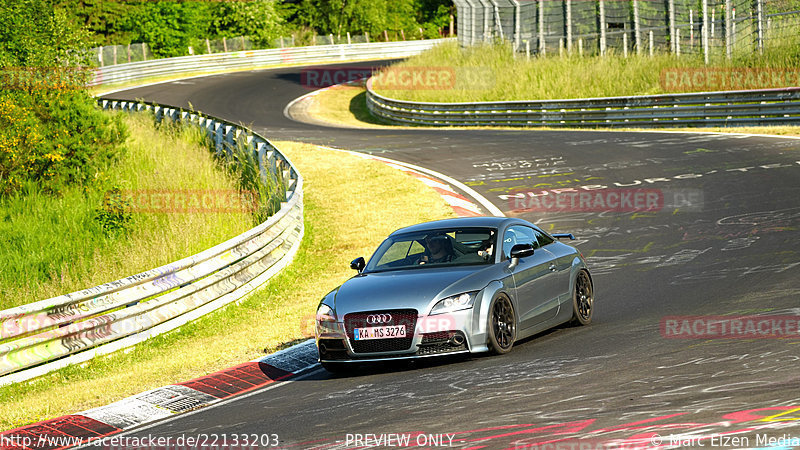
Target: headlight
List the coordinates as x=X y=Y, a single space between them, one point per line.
x=455 y=303
x=325 y=314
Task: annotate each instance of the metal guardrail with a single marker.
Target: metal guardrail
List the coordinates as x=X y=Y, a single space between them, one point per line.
x=726 y=108
x=253 y=59
x=50 y=334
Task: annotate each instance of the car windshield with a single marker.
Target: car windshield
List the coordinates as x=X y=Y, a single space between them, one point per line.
x=435 y=248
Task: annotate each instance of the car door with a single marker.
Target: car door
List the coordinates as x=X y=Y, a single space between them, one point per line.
x=560 y=268
x=532 y=278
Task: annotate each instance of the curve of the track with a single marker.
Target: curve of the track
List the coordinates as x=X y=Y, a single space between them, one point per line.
x=737 y=253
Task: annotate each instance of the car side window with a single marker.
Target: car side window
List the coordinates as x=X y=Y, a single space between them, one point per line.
x=517 y=234
x=542 y=238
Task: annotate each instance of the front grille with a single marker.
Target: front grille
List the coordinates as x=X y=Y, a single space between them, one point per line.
x=407 y=317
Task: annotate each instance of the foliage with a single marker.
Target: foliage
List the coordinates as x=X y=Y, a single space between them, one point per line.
x=34 y=33
x=170 y=27
x=51 y=132
x=54 y=139
x=263 y=190
x=115 y=215
x=373 y=16
x=261 y=20
x=82 y=237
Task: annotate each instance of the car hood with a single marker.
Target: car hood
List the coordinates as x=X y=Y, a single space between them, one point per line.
x=401 y=289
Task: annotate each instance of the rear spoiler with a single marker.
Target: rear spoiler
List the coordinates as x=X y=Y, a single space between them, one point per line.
x=564 y=235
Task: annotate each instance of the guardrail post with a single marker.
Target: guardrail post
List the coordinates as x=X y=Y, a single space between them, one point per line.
x=705 y=30
x=229 y=139
x=208 y=46
x=728 y=29
x=637 y=31
x=219 y=138
x=603 y=27
x=651 y=42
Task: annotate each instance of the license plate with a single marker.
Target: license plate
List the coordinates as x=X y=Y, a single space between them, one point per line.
x=394 y=331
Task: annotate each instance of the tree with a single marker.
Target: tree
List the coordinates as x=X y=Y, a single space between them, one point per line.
x=261 y=20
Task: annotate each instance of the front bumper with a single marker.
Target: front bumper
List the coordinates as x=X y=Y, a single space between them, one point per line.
x=437 y=335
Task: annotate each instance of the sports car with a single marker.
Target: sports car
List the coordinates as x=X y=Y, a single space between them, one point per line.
x=466 y=285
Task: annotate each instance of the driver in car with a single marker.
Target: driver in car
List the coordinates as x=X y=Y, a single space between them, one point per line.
x=440 y=249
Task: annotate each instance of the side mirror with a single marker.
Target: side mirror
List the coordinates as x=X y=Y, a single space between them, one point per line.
x=521 y=251
x=358 y=264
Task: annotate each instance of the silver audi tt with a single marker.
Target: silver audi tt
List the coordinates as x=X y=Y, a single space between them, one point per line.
x=452 y=286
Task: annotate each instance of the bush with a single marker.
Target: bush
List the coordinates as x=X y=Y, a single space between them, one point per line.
x=55 y=139
x=51 y=131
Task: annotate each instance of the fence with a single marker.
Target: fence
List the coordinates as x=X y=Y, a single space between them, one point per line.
x=708 y=27
x=50 y=334
x=257 y=58
x=733 y=108
x=110 y=55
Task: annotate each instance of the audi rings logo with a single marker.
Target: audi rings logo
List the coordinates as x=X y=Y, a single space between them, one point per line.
x=373 y=319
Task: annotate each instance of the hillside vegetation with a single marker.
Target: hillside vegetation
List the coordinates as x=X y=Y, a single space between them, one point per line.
x=170 y=27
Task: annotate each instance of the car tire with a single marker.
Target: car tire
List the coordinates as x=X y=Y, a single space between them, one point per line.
x=337 y=367
x=582 y=299
x=502 y=328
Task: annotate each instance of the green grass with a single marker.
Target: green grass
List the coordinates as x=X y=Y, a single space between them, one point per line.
x=340 y=224
x=53 y=245
x=495 y=73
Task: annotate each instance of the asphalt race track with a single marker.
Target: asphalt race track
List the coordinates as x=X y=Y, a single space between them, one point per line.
x=724 y=241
